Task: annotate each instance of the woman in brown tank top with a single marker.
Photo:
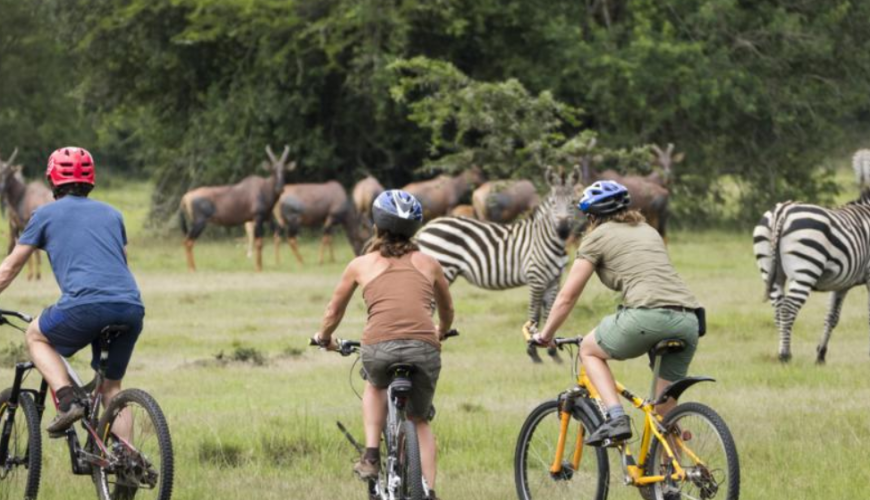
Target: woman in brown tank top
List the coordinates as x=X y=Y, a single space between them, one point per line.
x=399 y=286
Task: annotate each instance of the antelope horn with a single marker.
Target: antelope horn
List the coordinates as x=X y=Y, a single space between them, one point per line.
x=670 y=148
x=270 y=153
x=656 y=149
x=592 y=143
x=12 y=158
x=285 y=154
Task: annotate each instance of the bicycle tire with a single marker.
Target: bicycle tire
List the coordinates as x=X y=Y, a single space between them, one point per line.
x=410 y=466
x=531 y=467
x=26 y=451
x=148 y=424
x=691 y=421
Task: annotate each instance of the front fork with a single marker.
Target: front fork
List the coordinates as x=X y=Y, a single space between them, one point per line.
x=12 y=404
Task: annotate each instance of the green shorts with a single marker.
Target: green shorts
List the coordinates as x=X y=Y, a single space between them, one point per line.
x=631 y=333
x=426 y=359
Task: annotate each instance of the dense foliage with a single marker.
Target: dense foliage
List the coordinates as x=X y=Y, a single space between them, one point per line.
x=190 y=91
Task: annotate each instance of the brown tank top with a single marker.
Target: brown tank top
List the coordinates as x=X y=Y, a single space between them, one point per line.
x=399 y=302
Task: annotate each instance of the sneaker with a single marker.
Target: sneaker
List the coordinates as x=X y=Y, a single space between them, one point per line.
x=617 y=429
x=64 y=420
x=366 y=469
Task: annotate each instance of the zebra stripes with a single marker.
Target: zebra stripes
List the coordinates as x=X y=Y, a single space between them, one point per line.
x=801 y=248
x=861 y=165
x=501 y=256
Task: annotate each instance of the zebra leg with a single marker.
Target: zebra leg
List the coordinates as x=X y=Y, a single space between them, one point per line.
x=831 y=321
x=536 y=295
x=549 y=298
x=788 y=308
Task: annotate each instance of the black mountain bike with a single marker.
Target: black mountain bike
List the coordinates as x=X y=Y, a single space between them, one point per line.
x=401 y=471
x=127 y=450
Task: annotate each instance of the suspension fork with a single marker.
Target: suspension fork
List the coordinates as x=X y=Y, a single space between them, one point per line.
x=6 y=433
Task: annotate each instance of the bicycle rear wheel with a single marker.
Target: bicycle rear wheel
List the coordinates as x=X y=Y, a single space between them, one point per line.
x=536 y=449
x=136 y=435
x=410 y=467
x=22 y=465
x=704 y=448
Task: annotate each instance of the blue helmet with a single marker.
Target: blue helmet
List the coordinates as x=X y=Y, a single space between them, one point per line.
x=604 y=198
x=398 y=212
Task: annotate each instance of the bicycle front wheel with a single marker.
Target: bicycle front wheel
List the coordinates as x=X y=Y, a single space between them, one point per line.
x=703 y=446
x=22 y=457
x=410 y=466
x=136 y=437
x=536 y=451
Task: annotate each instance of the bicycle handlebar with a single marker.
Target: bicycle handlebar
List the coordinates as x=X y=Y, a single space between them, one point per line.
x=348 y=347
x=22 y=316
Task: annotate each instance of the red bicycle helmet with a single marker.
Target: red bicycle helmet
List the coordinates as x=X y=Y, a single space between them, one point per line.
x=70 y=165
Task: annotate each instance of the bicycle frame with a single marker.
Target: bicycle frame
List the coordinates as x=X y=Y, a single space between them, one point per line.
x=652 y=429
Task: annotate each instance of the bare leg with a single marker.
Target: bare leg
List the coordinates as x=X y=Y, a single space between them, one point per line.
x=46 y=359
x=374 y=414
x=123 y=425
x=428 y=455
x=188 y=249
x=595 y=360
x=664 y=408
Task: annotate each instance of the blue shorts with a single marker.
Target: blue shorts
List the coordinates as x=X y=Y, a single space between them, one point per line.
x=71 y=329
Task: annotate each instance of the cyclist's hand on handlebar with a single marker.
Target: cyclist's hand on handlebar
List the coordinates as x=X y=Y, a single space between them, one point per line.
x=533 y=337
x=329 y=345
x=442 y=336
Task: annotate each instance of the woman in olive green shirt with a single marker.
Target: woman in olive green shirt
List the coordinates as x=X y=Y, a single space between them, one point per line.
x=630 y=257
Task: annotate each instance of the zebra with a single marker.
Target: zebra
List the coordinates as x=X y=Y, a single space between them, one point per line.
x=801 y=248
x=861 y=165
x=501 y=256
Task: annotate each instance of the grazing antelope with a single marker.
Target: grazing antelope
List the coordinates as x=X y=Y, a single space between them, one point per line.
x=364 y=194
x=317 y=205
x=439 y=195
x=19 y=200
x=251 y=199
x=504 y=201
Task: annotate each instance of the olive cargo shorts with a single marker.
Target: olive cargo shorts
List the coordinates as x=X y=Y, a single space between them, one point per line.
x=633 y=332
x=424 y=357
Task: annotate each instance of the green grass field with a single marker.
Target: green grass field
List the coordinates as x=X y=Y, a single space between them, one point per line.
x=267 y=431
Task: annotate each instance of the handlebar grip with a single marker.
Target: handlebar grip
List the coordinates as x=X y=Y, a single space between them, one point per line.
x=451 y=333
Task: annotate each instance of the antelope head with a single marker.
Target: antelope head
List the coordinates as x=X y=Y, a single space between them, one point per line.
x=666 y=159
x=278 y=166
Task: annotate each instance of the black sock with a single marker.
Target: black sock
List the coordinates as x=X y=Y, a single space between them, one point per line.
x=65 y=397
x=372 y=455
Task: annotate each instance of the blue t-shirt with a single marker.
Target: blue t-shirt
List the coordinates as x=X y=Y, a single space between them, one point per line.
x=85 y=242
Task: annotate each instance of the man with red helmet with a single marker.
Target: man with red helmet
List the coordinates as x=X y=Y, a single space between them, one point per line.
x=86 y=245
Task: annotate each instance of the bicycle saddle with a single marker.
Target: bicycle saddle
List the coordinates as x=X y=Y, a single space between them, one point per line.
x=668 y=346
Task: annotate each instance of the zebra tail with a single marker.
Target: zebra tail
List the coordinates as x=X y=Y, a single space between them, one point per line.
x=777 y=222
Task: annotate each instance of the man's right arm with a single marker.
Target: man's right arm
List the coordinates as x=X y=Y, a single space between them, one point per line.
x=13 y=263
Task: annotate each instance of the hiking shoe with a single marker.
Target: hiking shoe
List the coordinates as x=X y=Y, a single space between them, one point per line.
x=617 y=429
x=65 y=419
x=366 y=469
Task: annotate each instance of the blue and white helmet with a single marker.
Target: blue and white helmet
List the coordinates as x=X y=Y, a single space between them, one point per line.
x=398 y=212
x=604 y=198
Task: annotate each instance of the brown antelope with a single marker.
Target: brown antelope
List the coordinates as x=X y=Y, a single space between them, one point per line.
x=251 y=199
x=364 y=194
x=323 y=206
x=504 y=201
x=666 y=160
x=647 y=196
x=19 y=200
x=439 y=195
x=463 y=211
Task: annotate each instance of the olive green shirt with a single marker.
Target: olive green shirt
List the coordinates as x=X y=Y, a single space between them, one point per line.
x=632 y=259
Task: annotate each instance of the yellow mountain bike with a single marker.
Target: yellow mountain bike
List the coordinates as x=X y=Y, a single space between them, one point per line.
x=690 y=454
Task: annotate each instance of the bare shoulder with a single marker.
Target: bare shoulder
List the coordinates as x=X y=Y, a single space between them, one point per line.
x=426 y=263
